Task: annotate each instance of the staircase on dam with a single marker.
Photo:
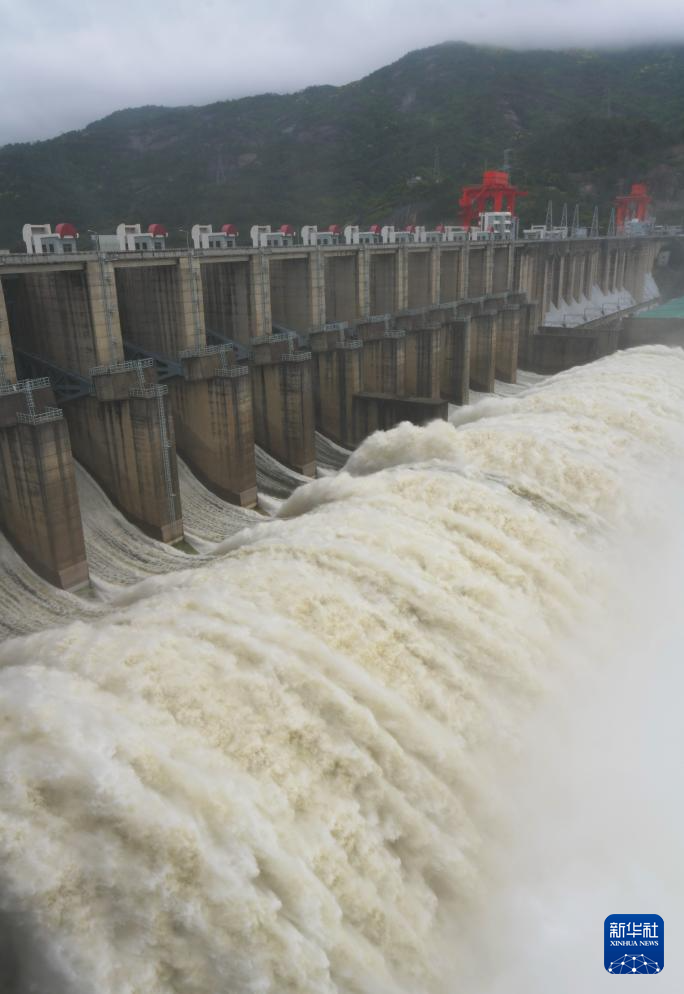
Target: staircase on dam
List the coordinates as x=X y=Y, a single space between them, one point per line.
x=227 y=359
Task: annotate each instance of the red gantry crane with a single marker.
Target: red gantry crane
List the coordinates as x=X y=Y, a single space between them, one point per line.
x=495 y=193
x=634 y=206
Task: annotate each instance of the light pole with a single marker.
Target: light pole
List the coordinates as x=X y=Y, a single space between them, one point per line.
x=185 y=232
x=194 y=291
x=105 y=295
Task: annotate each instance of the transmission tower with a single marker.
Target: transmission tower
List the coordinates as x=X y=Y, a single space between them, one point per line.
x=611 y=224
x=575 y=221
x=564 y=218
x=595 y=224
x=549 y=216
x=436 y=168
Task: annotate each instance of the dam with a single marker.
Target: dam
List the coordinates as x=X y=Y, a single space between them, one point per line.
x=269 y=772
x=169 y=374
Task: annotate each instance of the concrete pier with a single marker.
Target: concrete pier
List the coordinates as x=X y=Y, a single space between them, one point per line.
x=455 y=370
x=423 y=362
x=214 y=421
x=124 y=436
x=282 y=391
x=39 y=508
x=507 y=342
x=483 y=351
x=384 y=364
x=338 y=377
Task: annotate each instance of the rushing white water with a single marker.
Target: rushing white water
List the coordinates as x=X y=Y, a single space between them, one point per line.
x=28 y=603
x=207 y=519
x=329 y=455
x=270 y=773
x=274 y=479
x=118 y=552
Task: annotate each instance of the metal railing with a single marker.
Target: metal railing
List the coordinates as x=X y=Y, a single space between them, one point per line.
x=295 y=356
x=34 y=418
x=121 y=367
x=205 y=350
x=24 y=385
x=232 y=372
x=148 y=392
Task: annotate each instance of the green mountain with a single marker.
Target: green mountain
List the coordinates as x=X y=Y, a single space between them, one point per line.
x=395 y=146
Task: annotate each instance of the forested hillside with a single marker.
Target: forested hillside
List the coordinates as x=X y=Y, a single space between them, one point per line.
x=395 y=146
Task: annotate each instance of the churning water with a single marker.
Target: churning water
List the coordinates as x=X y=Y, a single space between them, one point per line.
x=328 y=760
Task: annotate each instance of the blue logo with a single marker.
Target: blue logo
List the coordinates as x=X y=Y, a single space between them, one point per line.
x=633 y=944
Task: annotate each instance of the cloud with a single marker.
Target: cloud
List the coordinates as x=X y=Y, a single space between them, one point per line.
x=64 y=63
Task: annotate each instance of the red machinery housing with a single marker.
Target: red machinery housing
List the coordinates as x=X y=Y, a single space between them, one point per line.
x=634 y=206
x=495 y=193
x=66 y=230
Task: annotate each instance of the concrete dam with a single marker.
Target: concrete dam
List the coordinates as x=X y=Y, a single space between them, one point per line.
x=183 y=380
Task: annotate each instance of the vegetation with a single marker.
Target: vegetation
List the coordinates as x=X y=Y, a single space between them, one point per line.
x=394 y=147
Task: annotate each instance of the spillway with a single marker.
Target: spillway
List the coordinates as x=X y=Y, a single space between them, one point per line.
x=119 y=553
x=28 y=603
x=273 y=478
x=263 y=775
x=208 y=519
x=329 y=455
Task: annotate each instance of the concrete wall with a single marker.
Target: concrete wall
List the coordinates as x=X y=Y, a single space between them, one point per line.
x=479 y=270
x=229 y=300
x=419 y=290
x=642 y=330
x=556 y=271
x=161 y=307
x=7 y=368
x=341 y=288
x=380 y=413
x=553 y=350
x=452 y=274
x=61 y=317
x=502 y=267
x=383 y=282
x=291 y=293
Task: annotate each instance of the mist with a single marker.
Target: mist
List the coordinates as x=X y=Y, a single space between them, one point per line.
x=67 y=63
x=584 y=819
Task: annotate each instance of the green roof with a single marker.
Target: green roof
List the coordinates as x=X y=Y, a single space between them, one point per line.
x=672 y=309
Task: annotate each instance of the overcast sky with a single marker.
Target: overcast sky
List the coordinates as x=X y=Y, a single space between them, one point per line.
x=64 y=63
